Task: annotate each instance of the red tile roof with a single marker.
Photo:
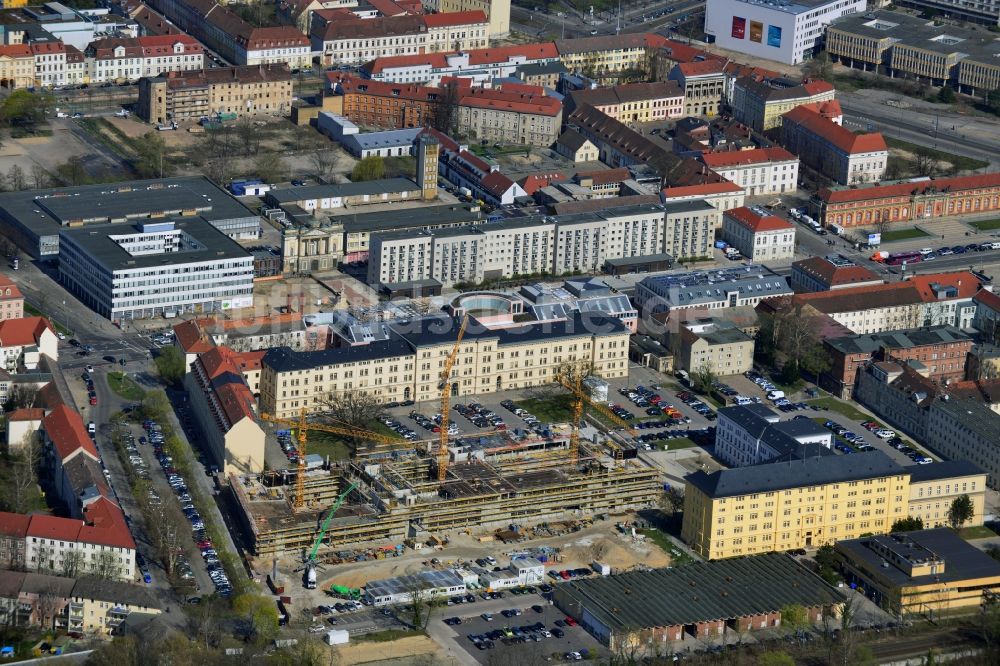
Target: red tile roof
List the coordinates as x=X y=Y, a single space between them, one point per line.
x=23 y=332
x=42 y=526
x=105 y=525
x=251 y=360
x=705 y=189
x=606 y=176
x=535 y=51
x=841 y=137
x=702 y=67
x=867 y=193
x=26 y=414
x=501 y=100
x=433 y=60
x=386 y=7
x=832 y=275
x=15 y=51
x=475 y=161
x=496 y=184
x=64 y=428
x=755 y=222
x=47 y=47
x=14 y=524
x=192 y=338
x=747 y=157
x=534 y=182
x=447 y=143
x=817 y=86
x=966 y=283
x=449 y=19
x=988 y=299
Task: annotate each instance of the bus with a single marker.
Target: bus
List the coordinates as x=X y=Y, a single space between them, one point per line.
x=899 y=258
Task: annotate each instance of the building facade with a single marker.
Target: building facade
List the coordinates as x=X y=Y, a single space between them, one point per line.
x=760 y=171
x=759 y=236
x=830 y=273
x=833 y=150
x=704 y=86
x=726 y=350
x=760 y=102
x=501 y=116
x=633 y=102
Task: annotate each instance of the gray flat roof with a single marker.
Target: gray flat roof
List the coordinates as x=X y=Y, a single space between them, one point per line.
x=44 y=212
x=709 y=286
x=719 y=590
x=96 y=242
x=774 y=476
x=307 y=192
x=387 y=139
x=424 y=216
x=914 y=31
x=962 y=560
x=945 y=469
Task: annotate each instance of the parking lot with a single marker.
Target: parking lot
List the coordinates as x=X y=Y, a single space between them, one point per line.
x=538 y=633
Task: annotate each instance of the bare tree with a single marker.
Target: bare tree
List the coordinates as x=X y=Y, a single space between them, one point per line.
x=881 y=225
x=672 y=500
x=40 y=178
x=445 y=114
x=49 y=604
x=72 y=563
x=323 y=161
x=925 y=162
x=249 y=136
x=15 y=178
x=22 y=490
x=106 y=565
x=221 y=152
x=352 y=409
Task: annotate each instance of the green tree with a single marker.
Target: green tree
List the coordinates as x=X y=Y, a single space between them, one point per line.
x=369 y=168
x=775 y=659
x=703 y=377
x=826 y=562
x=794 y=616
x=993 y=101
x=170 y=365
x=820 y=67
x=151 y=156
x=908 y=524
x=155 y=406
x=960 y=512
x=258 y=616
x=25 y=109
x=946 y=95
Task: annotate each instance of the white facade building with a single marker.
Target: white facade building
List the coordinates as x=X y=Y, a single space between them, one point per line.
x=758 y=235
x=783 y=30
x=759 y=171
x=161 y=268
x=754 y=434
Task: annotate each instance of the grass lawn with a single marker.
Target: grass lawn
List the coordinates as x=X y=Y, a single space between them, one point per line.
x=677 y=556
x=388 y=635
x=982 y=225
x=679 y=443
x=903 y=234
x=961 y=162
x=31 y=311
x=125 y=386
x=979 y=532
x=835 y=405
x=559 y=409
x=339 y=447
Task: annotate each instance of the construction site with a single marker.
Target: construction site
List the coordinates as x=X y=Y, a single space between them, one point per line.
x=403 y=501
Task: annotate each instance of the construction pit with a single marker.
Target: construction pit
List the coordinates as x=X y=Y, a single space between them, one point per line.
x=494 y=487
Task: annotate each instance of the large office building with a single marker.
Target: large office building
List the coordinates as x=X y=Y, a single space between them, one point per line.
x=553 y=244
x=34 y=218
x=155 y=268
x=787 y=31
x=754 y=434
x=813 y=501
x=407 y=363
x=911 y=46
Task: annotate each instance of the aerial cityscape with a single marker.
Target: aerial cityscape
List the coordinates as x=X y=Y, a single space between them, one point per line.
x=500 y=332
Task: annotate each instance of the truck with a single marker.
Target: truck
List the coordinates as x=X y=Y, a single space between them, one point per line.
x=721 y=245
x=310 y=582
x=166 y=127
x=337 y=637
x=601 y=568
x=837 y=230
x=880 y=256
x=465 y=192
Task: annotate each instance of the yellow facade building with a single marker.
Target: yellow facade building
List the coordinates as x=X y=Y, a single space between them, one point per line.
x=927 y=572
x=498 y=12
x=809 y=503
x=99 y=607
x=407 y=364
x=606 y=56
x=934 y=487
x=17 y=65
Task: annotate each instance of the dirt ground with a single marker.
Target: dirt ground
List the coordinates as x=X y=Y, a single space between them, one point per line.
x=598 y=542
x=50 y=152
x=408 y=651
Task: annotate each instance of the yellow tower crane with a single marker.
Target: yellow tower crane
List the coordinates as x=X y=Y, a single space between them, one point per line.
x=442 y=458
x=303 y=427
x=574 y=384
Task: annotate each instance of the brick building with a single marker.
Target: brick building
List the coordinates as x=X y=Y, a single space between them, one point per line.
x=942 y=350
x=380 y=104
x=908 y=201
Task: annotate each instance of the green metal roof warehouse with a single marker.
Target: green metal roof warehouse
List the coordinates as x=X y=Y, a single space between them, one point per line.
x=703 y=592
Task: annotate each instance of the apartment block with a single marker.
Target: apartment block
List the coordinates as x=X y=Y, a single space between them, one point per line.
x=905 y=201
x=758 y=235
x=722 y=196
x=833 y=150
x=498 y=12
x=407 y=365
x=709 y=290
x=759 y=102
x=129 y=59
x=189 y=96
x=718 y=346
x=527 y=117
x=934 y=487
x=688 y=230
x=11 y=300
x=632 y=102
x=605 y=57
x=941 y=350
x=479 y=65
x=758 y=171
x=704 y=86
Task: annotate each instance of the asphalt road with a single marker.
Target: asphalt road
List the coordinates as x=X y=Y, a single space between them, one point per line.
x=528 y=21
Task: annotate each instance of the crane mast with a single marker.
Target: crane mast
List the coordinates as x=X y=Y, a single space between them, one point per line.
x=442 y=459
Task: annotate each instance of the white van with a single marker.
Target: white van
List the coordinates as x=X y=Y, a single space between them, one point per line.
x=924 y=251
x=775 y=395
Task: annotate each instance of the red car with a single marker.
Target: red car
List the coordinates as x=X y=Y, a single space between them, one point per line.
x=570 y=621
x=93 y=400
x=564 y=574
